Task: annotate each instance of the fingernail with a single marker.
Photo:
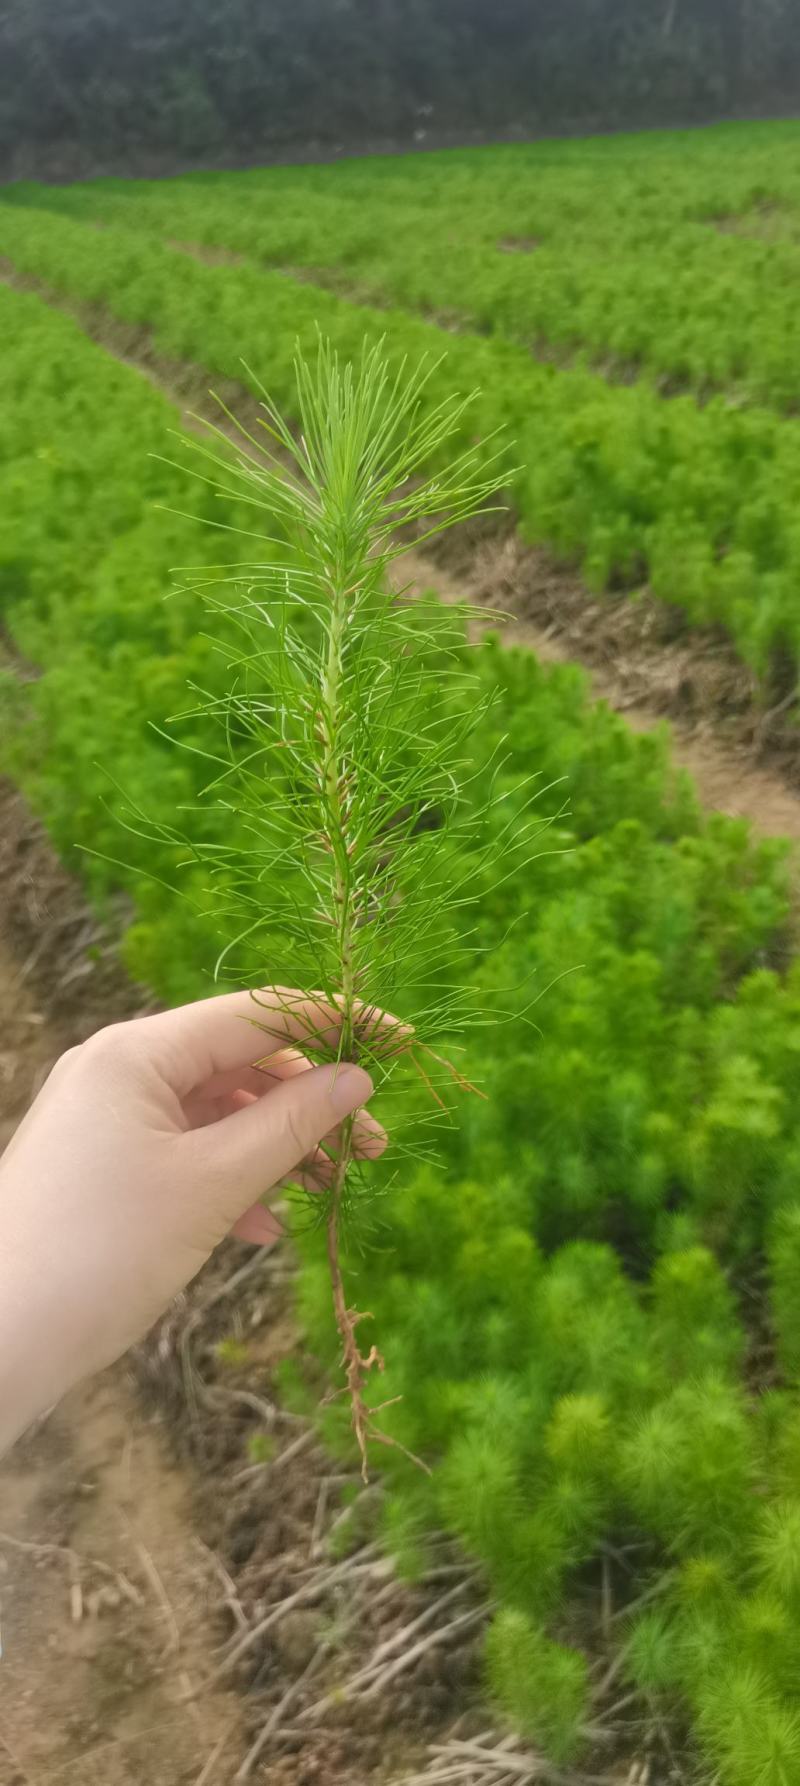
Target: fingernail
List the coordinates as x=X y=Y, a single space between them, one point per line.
x=350 y=1088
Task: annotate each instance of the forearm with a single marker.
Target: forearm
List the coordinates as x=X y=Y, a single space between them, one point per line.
x=32 y=1358
x=46 y=1316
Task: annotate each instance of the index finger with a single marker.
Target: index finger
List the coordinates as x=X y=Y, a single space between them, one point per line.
x=236 y=1029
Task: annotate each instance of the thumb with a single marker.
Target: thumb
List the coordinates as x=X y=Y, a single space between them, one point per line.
x=247 y=1153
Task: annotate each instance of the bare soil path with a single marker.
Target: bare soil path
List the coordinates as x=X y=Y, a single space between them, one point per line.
x=104 y=1589
x=106 y=1635
x=546 y=611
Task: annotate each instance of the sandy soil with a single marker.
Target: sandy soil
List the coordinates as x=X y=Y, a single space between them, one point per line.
x=105 y=1635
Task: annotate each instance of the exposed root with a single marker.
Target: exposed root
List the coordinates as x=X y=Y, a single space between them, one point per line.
x=357 y=1364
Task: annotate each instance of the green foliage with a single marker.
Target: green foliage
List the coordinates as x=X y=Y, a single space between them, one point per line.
x=785 y=1273
x=405 y=1531
x=557 y=1293
x=694 y=1325
x=660 y=306
x=778 y=1551
x=650 y=1659
x=579 y=1437
x=541 y=1685
x=295 y=1392
x=692 y=492
x=689 y=1467
x=754 y=1740
x=338 y=784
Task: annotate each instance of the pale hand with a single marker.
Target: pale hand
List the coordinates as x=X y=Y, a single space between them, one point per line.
x=147 y=1145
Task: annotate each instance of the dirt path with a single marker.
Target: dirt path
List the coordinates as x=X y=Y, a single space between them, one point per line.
x=102 y=1635
x=104 y=1639
x=515 y=583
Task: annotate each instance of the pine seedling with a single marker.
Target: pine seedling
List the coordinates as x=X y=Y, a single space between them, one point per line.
x=693 y=1326
x=687 y=1468
x=340 y=851
x=649 y=1655
x=784 y=1259
x=543 y=1686
x=753 y=1738
x=777 y=1548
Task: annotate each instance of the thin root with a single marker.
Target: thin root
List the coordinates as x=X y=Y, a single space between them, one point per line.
x=357 y=1364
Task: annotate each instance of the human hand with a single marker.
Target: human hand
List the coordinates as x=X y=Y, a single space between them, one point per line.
x=147 y=1145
